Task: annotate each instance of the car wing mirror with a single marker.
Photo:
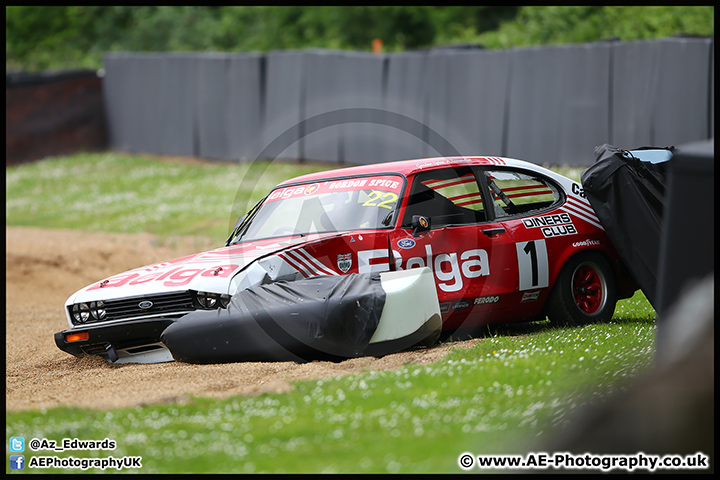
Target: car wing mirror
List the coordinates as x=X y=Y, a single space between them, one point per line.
x=420 y=224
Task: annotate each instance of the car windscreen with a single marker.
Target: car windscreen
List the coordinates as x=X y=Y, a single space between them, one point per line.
x=346 y=204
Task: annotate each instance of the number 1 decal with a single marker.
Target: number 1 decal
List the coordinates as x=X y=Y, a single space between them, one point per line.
x=532 y=264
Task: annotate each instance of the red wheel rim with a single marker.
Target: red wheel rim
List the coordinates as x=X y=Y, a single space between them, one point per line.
x=589 y=289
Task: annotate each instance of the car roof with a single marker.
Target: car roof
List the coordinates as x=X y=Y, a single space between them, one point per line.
x=410 y=167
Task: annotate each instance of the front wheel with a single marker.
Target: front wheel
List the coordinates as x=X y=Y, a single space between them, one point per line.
x=584 y=292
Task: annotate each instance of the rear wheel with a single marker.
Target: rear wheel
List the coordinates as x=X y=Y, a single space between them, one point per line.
x=584 y=292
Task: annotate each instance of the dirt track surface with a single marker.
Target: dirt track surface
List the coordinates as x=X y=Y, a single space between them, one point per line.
x=44 y=267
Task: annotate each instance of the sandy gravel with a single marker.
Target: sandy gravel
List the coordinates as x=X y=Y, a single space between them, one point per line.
x=44 y=267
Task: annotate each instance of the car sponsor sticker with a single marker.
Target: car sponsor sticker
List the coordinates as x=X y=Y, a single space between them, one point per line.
x=406 y=243
x=382 y=184
x=530 y=296
x=559 y=231
x=344 y=262
x=444 y=307
x=586 y=243
x=552 y=225
x=578 y=190
x=461 y=305
x=176 y=277
x=547 y=220
x=486 y=300
x=449 y=268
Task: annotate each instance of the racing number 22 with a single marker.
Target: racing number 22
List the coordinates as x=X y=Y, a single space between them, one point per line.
x=376 y=195
x=532 y=264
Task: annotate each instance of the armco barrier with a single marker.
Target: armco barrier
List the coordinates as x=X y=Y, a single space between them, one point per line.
x=549 y=105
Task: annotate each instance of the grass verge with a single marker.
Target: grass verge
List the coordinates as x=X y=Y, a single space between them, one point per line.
x=517 y=386
x=504 y=395
x=114 y=192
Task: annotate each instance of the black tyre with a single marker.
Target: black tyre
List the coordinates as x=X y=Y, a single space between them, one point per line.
x=584 y=292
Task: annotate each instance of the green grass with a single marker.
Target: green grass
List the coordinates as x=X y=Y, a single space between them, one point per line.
x=125 y=193
x=112 y=192
x=504 y=395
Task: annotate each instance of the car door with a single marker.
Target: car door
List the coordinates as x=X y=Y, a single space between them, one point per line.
x=524 y=204
x=472 y=256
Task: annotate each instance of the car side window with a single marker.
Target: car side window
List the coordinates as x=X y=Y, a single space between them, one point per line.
x=518 y=193
x=448 y=197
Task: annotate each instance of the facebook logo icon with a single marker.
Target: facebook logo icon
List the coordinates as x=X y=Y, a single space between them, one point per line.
x=17 y=462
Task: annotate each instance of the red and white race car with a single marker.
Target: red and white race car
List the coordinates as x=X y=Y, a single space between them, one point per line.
x=365 y=260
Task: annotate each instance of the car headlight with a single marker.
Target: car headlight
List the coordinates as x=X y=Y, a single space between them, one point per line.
x=209 y=301
x=86 y=312
x=97 y=310
x=81 y=312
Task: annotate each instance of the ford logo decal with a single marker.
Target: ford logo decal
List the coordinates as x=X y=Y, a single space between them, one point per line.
x=406 y=243
x=145 y=304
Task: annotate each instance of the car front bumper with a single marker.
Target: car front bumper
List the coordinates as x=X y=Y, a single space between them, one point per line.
x=134 y=341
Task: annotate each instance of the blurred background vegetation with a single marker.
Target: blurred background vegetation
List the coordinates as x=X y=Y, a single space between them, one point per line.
x=72 y=37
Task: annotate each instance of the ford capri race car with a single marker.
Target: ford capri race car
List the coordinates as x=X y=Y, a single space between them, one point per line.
x=365 y=260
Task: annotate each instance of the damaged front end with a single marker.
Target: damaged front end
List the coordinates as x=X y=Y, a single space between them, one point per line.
x=326 y=317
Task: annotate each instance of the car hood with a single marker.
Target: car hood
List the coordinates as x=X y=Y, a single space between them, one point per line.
x=209 y=271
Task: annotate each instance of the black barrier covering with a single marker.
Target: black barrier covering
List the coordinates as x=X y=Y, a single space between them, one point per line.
x=535 y=93
x=436 y=97
x=687 y=243
x=147 y=106
x=178 y=98
x=212 y=95
x=172 y=112
x=712 y=90
x=542 y=104
x=584 y=109
x=634 y=79
x=229 y=108
x=245 y=120
x=682 y=93
x=476 y=83
x=656 y=82
x=558 y=103
x=405 y=94
x=628 y=197
x=362 y=77
x=151 y=106
x=119 y=98
x=323 y=92
x=315 y=318
x=282 y=108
